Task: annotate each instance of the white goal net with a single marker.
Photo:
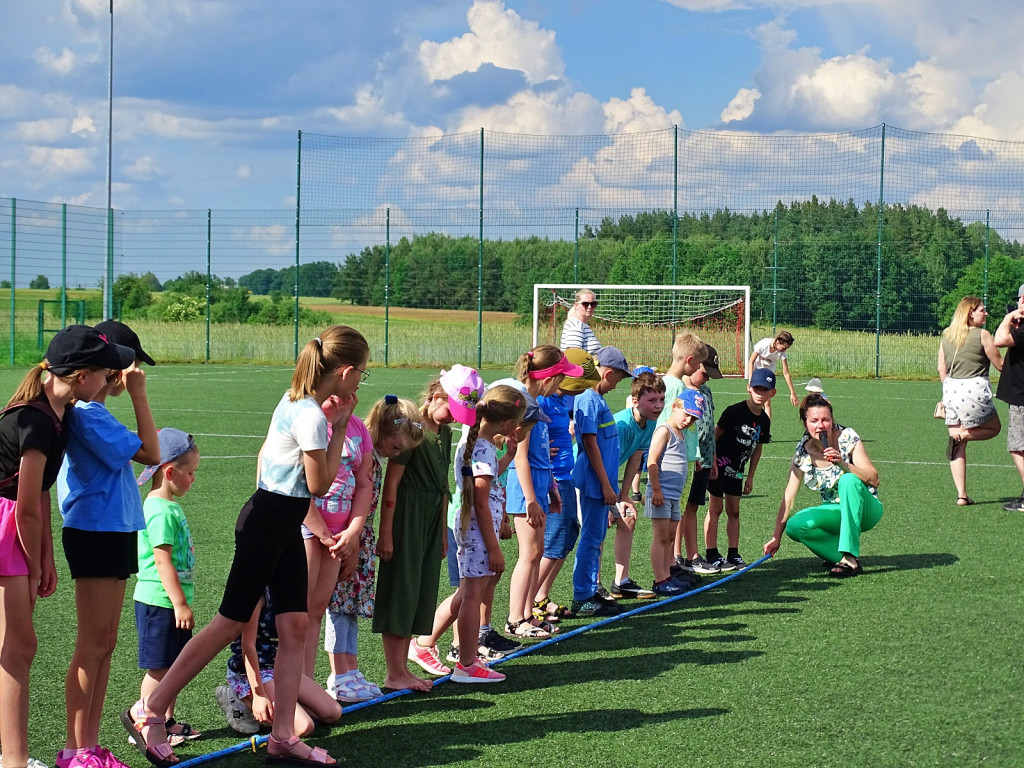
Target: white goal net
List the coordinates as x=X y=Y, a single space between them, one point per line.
x=643 y=320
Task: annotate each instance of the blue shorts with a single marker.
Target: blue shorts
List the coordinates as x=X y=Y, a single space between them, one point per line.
x=562 y=530
x=453 y=560
x=160 y=641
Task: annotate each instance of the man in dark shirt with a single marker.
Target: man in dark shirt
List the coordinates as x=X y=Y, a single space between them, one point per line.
x=1010 y=334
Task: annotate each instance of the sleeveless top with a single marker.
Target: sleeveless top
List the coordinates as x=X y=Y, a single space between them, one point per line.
x=970 y=360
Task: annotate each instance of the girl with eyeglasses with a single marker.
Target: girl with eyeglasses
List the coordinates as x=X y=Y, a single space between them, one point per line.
x=576 y=332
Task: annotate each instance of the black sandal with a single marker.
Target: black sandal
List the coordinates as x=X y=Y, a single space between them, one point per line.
x=967 y=501
x=845 y=571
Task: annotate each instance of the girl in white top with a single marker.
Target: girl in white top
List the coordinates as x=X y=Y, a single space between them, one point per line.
x=476 y=530
x=297 y=461
x=576 y=333
x=767 y=353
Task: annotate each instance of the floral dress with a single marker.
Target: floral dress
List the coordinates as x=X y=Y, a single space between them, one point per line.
x=826 y=480
x=355 y=596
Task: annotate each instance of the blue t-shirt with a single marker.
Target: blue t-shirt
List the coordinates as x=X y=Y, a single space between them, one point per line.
x=96 y=488
x=558 y=408
x=631 y=437
x=593 y=417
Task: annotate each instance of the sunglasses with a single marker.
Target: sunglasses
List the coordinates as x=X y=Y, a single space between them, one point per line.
x=589 y=304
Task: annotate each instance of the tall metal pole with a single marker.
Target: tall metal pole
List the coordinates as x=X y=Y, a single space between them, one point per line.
x=480 y=266
x=209 y=275
x=63 y=264
x=775 y=272
x=14 y=255
x=108 y=283
x=878 y=279
x=298 y=204
x=984 y=295
x=387 y=282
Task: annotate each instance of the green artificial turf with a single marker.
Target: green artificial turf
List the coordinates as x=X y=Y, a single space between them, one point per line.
x=915 y=663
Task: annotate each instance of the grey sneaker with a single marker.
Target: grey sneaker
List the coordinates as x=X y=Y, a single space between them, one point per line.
x=630 y=589
x=240 y=717
x=722 y=564
x=1017 y=505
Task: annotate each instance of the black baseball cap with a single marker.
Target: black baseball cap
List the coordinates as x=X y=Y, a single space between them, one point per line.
x=711 y=363
x=119 y=333
x=82 y=346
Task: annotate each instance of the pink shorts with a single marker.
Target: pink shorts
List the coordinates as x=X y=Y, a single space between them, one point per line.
x=12 y=558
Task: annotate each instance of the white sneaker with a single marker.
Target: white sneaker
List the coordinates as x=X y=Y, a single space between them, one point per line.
x=239 y=716
x=348 y=688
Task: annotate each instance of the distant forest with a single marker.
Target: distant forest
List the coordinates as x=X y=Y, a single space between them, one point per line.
x=827 y=256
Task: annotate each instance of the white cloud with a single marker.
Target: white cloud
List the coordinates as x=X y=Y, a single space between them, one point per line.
x=533 y=113
x=60 y=64
x=243 y=171
x=741 y=106
x=497 y=36
x=844 y=91
x=638 y=113
x=368 y=109
x=61 y=160
x=46 y=131
x=144 y=168
x=83 y=124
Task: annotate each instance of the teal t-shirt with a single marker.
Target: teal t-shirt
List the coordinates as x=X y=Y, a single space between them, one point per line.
x=165 y=525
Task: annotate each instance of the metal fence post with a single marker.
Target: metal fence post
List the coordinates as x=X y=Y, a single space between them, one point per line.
x=298 y=208
x=209 y=276
x=387 y=281
x=480 y=266
x=878 y=278
x=14 y=255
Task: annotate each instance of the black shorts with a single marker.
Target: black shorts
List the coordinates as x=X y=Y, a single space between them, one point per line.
x=725 y=486
x=268 y=553
x=100 y=554
x=160 y=640
x=699 y=487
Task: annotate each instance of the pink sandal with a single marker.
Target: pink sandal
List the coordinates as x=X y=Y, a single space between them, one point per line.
x=317 y=755
x=135 y=720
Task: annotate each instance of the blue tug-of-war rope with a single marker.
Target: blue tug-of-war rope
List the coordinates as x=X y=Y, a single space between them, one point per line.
x=257 y=741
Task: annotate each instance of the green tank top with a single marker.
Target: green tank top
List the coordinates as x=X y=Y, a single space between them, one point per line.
x=968 y=361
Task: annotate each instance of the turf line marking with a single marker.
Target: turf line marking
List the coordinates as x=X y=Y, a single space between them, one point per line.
x=258 y=741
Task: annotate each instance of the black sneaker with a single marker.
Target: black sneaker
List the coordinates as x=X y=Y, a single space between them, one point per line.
x=630 y=589
x=700 y=565
x=1017 y=505
x=493 y=640
x=691 y=580
x=737 y=561
x=594 y=606
x=723 y=565
x=453 y=653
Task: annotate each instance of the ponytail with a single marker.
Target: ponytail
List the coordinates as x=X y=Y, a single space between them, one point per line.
x=31 y=386
x=466 y=480
x=337 y=347
x=537 y=359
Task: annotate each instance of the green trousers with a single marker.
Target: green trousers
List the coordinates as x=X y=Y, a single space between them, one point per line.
x=829 y=530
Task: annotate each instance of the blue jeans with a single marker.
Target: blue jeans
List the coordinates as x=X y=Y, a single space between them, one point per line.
x=593 y=527
x=562 y=530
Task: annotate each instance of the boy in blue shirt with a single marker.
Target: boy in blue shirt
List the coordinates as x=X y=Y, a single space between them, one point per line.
x=595 y=475
x=636 y=426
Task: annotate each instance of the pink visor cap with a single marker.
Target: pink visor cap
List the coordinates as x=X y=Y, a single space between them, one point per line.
x=564 y=367
x=464 y=388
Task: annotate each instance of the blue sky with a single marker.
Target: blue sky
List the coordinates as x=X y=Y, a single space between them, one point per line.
x=209 y=94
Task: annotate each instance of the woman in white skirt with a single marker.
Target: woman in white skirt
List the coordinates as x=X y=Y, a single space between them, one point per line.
x=965 y=354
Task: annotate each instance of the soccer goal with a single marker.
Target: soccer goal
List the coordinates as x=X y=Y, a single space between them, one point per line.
x=643 y=320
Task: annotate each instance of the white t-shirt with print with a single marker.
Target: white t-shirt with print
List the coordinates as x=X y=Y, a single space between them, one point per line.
x=294 y=428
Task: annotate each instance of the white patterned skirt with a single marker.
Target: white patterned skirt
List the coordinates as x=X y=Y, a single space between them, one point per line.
x=968 y=401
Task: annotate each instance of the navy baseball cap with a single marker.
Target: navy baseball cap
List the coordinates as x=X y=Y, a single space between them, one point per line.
x=763 y=377
x=82 y=346
x=119 y=333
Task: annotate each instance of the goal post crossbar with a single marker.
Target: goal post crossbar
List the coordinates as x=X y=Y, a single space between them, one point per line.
x=740 y=294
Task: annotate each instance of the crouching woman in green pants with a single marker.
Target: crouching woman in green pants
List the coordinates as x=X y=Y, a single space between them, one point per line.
x=830 y=459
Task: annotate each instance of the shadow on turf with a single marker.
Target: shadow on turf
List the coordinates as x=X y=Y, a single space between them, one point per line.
x=417 y=743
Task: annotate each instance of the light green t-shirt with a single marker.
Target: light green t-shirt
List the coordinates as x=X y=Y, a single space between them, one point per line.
x=165 y=525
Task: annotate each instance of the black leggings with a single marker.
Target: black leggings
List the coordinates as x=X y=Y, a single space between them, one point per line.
x=268 y=553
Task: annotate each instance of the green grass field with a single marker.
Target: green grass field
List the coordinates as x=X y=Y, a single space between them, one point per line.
x=916 y=663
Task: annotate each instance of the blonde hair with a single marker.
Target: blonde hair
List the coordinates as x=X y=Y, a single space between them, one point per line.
x=433 y=389
x=688 y=344
x=337 y=347
x=395 y=417
x=31 y=386
x=498 y=404
x=537 y=359
x=959 y=326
